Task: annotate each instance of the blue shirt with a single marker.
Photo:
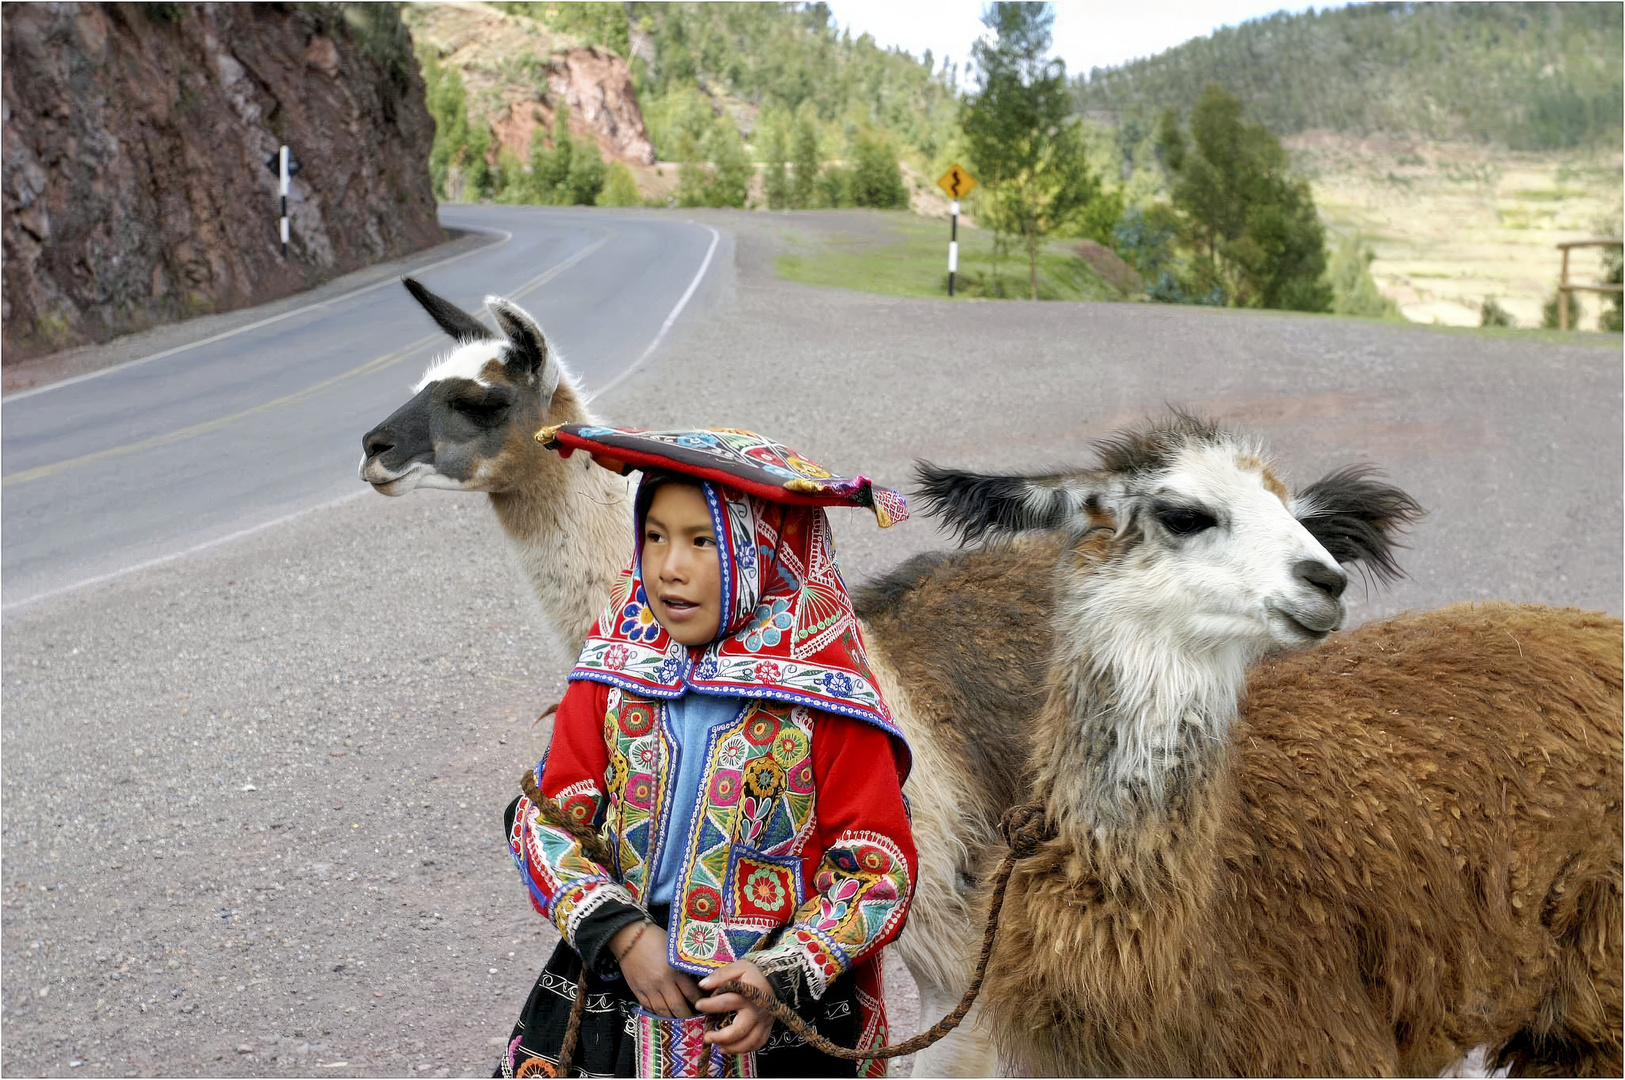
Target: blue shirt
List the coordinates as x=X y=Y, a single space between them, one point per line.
x=692 y=717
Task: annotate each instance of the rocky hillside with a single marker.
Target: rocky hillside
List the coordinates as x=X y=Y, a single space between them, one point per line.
x=135 y=142
x=517 y=71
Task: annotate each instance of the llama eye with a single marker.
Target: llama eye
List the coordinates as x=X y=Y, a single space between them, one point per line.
x=1186 y=522
x=486 y=409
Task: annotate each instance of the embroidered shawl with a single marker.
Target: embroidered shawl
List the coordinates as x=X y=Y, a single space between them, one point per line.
x=789 y=633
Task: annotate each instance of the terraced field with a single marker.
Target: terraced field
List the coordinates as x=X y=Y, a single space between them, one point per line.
x=1452 y=225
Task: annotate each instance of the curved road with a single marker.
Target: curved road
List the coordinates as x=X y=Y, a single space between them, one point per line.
x=157 y=457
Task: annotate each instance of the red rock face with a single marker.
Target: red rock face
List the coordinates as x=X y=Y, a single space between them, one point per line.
x=603 y=108
x=135 y=189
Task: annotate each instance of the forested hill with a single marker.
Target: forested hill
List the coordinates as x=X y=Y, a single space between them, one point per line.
x=776 y=58
x=1526 y=76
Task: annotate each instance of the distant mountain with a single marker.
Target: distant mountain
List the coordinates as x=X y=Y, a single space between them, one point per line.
x=1526 y=76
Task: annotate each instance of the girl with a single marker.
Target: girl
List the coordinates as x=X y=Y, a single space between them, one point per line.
x=724 y=733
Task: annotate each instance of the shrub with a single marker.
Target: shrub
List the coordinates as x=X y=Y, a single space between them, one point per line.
x=875 y=178
x=619 y=187
x=1548 y=314
x=1354 y=291
x=1491 y=313
x=1612 y=317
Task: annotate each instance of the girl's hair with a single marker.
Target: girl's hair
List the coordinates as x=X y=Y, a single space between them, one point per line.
x=653 y=481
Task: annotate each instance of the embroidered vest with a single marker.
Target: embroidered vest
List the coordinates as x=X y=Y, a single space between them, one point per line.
x=743 y=838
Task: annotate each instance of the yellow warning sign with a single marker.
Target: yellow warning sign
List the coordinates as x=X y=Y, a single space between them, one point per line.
x=956 y=182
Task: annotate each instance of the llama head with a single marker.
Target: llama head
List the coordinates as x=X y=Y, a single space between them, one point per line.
x=1185 y=540
x=469 y=422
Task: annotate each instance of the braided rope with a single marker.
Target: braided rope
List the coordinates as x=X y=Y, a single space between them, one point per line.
x=1024 y=828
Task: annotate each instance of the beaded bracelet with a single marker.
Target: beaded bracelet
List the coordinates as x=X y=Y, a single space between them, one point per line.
x=630 y=945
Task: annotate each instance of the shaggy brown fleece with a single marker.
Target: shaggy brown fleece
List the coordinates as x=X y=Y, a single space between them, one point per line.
x=1415 y=849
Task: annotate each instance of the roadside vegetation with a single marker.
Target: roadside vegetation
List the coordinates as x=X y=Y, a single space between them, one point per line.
x=903 y=256
x=768 y=104
x=1245 y=169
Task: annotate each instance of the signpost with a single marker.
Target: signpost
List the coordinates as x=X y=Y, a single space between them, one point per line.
x=956 y=182
x=284 y=164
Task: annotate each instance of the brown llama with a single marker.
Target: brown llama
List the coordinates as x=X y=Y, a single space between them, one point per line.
x=1367 y=858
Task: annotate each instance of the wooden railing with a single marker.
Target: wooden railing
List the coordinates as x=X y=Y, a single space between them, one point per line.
x=1565 y=290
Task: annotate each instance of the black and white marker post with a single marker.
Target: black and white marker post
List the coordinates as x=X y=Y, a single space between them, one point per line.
x=953 y=243
x=283 y=162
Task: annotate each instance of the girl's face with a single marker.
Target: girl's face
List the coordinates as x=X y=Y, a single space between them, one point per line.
x=682 y=574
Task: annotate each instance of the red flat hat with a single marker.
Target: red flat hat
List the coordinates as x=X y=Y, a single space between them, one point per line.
x=741 y=459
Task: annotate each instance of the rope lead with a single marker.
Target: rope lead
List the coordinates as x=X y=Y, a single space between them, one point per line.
x=1024 y=828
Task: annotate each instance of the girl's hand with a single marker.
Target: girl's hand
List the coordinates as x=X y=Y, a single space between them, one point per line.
x=659 y=987
x=750 y=1027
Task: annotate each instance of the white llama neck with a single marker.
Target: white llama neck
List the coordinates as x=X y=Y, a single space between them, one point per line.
x=569 y=527
x=1133 y=737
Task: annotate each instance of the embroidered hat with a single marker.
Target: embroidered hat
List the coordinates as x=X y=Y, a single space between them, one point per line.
x=739 y=459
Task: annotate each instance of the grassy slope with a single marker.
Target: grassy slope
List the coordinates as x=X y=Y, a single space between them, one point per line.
x=898 y=254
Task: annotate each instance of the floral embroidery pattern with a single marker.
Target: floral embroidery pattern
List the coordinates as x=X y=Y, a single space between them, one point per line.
x=800 y=777
x=640 y=791
x=761 y=728
x=733 y=752
x=765 y=890
x=638 y=620
x=581 y=809
x=616 y=656
x=637 y=718
x=764 y=778
x=767 y=626
x=700 y=939
x=789 y=747
x=725 y=787
x=838 y=683
x=703 y=903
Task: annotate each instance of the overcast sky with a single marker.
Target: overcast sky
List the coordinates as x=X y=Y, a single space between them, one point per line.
x=1088 y=33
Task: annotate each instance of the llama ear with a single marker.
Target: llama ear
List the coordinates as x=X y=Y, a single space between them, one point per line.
x=975 y=504
x=528 y=354
x=1358 y=519
x=462 y=326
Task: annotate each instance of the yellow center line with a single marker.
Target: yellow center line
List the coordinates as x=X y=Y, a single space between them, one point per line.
x=371 y=366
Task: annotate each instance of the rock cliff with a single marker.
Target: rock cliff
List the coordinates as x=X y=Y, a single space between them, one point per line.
x=517 y=71
x=135 y=185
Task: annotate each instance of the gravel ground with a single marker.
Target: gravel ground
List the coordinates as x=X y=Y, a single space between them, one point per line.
x=251 y=798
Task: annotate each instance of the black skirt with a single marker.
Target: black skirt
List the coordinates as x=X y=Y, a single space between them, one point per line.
x=608 y=1045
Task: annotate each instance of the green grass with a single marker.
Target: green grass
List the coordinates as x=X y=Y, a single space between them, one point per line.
x=905 y=255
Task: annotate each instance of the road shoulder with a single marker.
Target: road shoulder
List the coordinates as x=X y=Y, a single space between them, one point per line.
x=45 y=371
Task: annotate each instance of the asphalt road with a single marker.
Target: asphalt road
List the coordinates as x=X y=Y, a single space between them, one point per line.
x=156 y=457
x=250 y=795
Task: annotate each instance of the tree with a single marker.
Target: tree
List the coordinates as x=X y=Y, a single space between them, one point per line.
x=876 y=179
x=1252 y=223
x=1027 y=148
x=457 y=165
x=804 y=158
x=570 y=174
x=775 y=177
x=730 y=181
x=719 y=172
